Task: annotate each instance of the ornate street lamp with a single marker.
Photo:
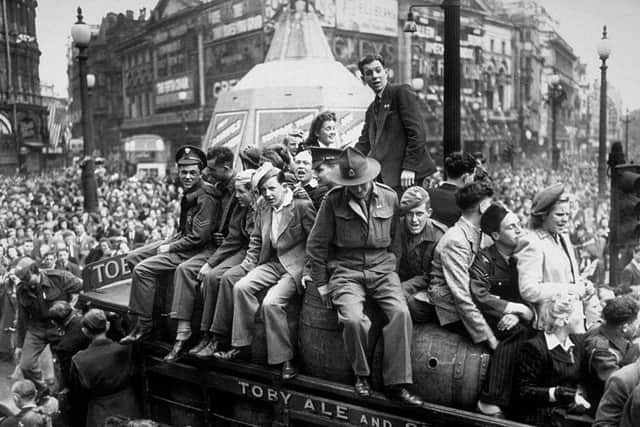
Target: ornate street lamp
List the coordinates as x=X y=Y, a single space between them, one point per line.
x=81 y=35
x=182 y=97
x=555 y=95
x=604 y=50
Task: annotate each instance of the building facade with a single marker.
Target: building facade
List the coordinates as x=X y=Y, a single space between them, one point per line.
x=23 y=115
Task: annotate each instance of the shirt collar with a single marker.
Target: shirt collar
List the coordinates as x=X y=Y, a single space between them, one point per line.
x=553 y=342
x=473 y=227
x=288 y=199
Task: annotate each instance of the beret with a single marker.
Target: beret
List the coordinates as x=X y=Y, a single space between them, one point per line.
x=620 y=310
x=264 y=172
x=251 y=157
x=95 y=321
x=546 y=198
x=413 y=197
x=491 y=219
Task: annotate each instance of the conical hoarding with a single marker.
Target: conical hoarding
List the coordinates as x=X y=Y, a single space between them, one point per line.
x=299 y=78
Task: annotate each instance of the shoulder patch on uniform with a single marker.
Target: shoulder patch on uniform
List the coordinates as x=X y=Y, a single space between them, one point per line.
x=385 y=186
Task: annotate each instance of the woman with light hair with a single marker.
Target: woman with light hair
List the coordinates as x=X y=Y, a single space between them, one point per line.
x=551 y=366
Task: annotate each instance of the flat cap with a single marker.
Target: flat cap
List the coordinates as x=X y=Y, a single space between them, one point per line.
x=263 y=173
x=250 y=156
x=413 y=197
x=491 y=219
x=191 y=155
x=327 y=155
x=546 y=198
x=95 y=321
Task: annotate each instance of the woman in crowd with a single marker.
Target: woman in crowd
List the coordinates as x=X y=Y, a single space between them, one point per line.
x=545 y=256
x=323 y=131
x=551 y=365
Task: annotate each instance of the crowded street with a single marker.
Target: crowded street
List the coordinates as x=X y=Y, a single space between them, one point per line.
x=319 y=212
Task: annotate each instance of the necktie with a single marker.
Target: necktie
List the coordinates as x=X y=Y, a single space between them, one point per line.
x=376 y=105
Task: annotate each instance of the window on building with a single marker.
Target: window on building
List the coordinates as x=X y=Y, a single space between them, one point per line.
x=504 y=47
x=489 y=99
x=501 y=95
x=491 y=45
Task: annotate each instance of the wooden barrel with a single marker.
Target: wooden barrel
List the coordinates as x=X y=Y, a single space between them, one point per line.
x=447 y=368
x=320 y=342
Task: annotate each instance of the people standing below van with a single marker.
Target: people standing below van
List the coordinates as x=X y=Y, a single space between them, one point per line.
x=394 y=132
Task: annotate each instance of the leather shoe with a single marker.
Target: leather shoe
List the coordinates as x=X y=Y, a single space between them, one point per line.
x=138 y=333
x=176 y=352
x=363 y=389
x=209 y=350
x=201 y=345
x=402 y=395
x=289 y=371
x=236 y=353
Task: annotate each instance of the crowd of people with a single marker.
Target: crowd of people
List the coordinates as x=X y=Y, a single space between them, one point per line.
x=511 y=258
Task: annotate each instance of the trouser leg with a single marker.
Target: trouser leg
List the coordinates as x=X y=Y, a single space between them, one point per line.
x=186 y=285
x=386 y=290
x=137 y=255
x=34 y=344
x=245 y=301
x=210 y=286
x=223 y=313
x=274 y=308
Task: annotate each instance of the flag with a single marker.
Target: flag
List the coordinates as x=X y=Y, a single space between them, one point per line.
x=57 y=121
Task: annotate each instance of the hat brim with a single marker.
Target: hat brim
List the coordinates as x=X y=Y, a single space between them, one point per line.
x=370 y=173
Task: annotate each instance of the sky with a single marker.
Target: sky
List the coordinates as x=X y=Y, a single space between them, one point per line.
x=580 y=21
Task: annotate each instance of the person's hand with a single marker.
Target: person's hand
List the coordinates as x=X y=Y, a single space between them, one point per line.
x=217 y=238
x=521 y=310
x=507 y=322
x=325 y=296
x=163 y=249
x=579 y=400
x=204 y=270
x=306 y=281
x=17 y=354
x=493 y=343
x=589 y=288
x=407 y=178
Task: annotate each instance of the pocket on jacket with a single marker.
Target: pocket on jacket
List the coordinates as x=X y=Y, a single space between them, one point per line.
x=348 y=229
x=382 y=222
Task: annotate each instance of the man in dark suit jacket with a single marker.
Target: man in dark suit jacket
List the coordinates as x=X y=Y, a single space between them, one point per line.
x=393 y=132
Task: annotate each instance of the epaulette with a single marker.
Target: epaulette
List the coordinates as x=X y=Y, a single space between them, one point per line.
x=440 y=226
x=385 y=186
x=333 y=190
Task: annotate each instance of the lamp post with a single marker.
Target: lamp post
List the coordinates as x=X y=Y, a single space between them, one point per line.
x=555 y=95
x=182 y=96
x=91 y=82
x=604 y=50
x=451 y=118
x=81 y=35
x=475 y=106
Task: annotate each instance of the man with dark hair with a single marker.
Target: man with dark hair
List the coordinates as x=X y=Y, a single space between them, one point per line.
x=610 y=345
x=37 y=292
x=323 y=161
x=186 y=281
x=275 y=258
x=199 y=211
x=394 y=133
x=64 y=263
x=353 y=247
x=494 y=289
x=449 y=290
x=459 y=168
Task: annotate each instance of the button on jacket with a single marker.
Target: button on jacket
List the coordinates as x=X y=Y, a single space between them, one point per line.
x=199 y=213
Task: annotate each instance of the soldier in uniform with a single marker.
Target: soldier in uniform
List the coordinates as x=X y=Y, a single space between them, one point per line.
x=610 y=346
x=198 y=209
x=226 y=259
x=352 y=249
x=323 y=161
x=275 y=258
x=186 y=280
x=494 y=289
x=37 y=292
x=420 y=235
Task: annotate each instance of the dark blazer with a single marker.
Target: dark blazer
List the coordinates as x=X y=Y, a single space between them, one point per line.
x=539 y=369
x=396 y=136
x=620 y=401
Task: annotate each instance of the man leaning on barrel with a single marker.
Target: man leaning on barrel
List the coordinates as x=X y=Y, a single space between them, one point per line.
x=351 y=247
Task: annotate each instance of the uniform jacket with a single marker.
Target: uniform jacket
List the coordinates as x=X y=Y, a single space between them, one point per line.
x=539 y=369
x=538 y=275
x=494 y=283
x=630 y=277
x=295 y=225
x=449 y=290
x=101 y=376
x=199 y=216
x=620 y=402
x=73 y=341
x=344 y=234
x=71 y=267
x=225 y=193
x=607 y=351
x=417 y=251
x=34 y=301
x=396 y=135
x=241 y=225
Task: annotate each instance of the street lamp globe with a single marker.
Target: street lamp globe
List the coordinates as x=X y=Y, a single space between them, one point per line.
x=604 y=45
x=554 y=79
x=410 y=25
x=80 y=32
x=91 y=80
